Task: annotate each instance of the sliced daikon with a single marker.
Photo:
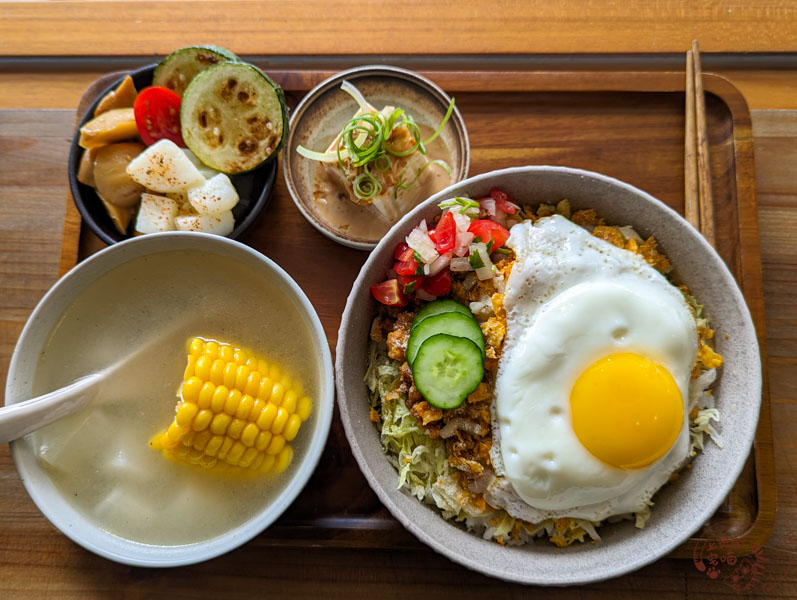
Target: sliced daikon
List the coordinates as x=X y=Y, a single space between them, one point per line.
x=164 y=167
x=156 y=213
x=221 y=223
x=217 y=194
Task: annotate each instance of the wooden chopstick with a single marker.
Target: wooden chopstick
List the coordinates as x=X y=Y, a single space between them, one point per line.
x=699 y=204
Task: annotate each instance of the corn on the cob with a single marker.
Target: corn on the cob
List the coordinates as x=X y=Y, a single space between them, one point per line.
x=236 y=413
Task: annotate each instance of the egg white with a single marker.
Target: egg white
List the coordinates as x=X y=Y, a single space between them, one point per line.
x=572 y=299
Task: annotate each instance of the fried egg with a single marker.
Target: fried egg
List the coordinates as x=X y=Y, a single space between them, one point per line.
x=590 y=403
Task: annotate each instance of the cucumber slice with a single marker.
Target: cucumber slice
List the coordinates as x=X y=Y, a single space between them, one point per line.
x=440 y=306
x=178 y=69
x=447 y=369
x=233 y=117
x=451 y=323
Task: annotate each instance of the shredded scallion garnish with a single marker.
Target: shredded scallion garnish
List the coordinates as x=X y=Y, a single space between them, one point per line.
x=368 y=142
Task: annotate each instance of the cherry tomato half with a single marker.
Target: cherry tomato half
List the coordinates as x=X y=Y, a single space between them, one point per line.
x=407 y=265
x=445 y=234
x=502 y=202
x=389 y=293
x=157 y=112
x=401 y=248
x=490 y=230
x=437 y=284
x=409 y=284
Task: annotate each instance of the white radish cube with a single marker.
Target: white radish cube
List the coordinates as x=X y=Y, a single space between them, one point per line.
x=216 y=195
x=164 y=167
x=219 y=223
x=206 y=171
x=156 y=213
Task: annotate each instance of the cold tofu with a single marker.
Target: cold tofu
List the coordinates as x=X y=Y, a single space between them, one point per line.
x=217 y=194
x=218 y=223
x=122 y=97
x=113 y=126
x=164 y=168
x=155 y=214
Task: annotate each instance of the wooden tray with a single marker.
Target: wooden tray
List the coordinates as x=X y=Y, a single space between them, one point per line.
x=628 y=125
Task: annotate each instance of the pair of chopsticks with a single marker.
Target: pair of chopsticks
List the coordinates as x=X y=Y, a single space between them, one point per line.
x=698 y=207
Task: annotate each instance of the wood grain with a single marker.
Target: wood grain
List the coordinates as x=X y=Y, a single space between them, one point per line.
x=37 y=561
x=446 y=27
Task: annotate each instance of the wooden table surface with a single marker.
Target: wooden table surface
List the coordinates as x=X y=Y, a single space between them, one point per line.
x=49 y=53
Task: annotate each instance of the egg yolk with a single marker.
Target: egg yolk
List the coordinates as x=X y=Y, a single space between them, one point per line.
x=626 y=410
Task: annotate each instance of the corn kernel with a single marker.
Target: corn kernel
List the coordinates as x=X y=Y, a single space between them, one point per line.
x=235 y=453
x=189 y=368
x=236 y=428
x=240 y=356
x=219 y=398
x=190 y=390
x=289 y=402
x=211 y=349
x=245 y=407
x=208 y=461
x=268 y=462
x=225 y=448
x=258 y=461
x=205 y=394
x=194 y=456
x=292 y=427
x=262 y=367
x=241 y=376
x=186 y=413
x=279 y=421
x=232 y=401
x=264 y=391
x=201 y=440
x=286 y=381
x=277 y=392
x=251 y=363
x=213 y=445
x=202 y=420
x=266 y=418
x=217 y=371
x=230 y=371
x=220 y=423
x=275 y=372
x=263 y=440
x=188 y=438
x=284 y=458
x=304 y=407
x=181 y=451
x=202 y=367
x=249 y=435
x=252 y=385
x=196 y=348
x=257 y=408
x=276 y=445
x=176 y=432
x=247 y=458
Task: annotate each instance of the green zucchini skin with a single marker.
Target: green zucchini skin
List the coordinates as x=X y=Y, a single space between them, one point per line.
x=234 y=118
x=177 y=70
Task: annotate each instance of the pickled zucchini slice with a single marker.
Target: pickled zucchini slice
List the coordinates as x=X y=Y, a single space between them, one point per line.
x=178 y=69
x=233 y=117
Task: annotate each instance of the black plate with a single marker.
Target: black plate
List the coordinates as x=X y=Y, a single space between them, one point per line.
x=254 y=188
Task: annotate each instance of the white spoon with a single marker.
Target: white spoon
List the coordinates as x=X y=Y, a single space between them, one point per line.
x=21 y=418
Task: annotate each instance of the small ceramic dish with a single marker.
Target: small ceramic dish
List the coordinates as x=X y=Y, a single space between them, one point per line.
x=254 y=188
x=147 y=492
x=323 y=113
x=681 y=507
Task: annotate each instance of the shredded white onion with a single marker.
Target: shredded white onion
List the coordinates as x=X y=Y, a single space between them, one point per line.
x=438 y=265
x=460 y=264
x=424 y=295
x=461 y=424
x=422 y=244
x=356 y=94
x=463 y=240
x=488 y=204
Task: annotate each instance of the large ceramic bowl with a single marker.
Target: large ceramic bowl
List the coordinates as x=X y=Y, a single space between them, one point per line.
x=67 y=295
x=682 y=507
